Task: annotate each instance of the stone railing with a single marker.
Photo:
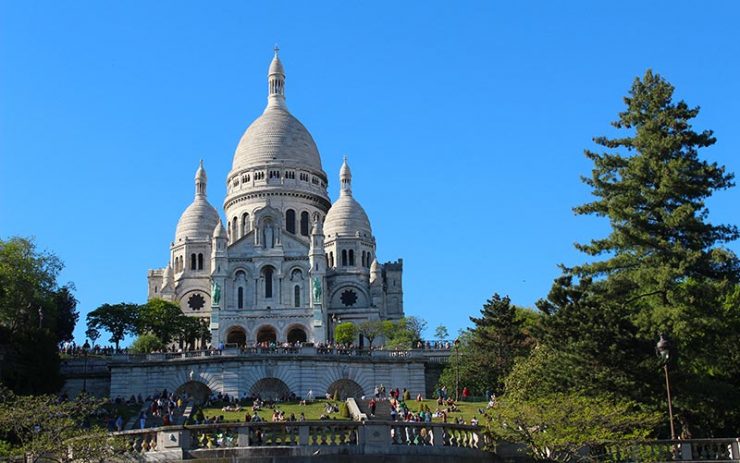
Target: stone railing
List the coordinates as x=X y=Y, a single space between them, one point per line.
x=304 y=438
x=354 y=410
x=305 y=351
x=678 y=450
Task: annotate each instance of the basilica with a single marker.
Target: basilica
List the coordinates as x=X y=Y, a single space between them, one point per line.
x=287 y=264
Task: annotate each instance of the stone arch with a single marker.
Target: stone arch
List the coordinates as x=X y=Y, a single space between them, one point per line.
x=296 y=333
x=345 y=388
x=266 y=333
x=200 y=392
x=236 y=335
x=270 y=389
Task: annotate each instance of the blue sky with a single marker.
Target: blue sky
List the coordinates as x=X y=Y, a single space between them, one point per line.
x=464 y=122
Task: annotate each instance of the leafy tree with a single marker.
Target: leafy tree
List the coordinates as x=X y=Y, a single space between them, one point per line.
x=441 y=333
x=146 y=344
x=117 y=319
x=403 y=333
x=92 y=334
x=194 y=329
x=161 y=318
x=557 y=427
x=370 y=329
x=344 y=333
x=65 y=304
x=35 y=315
x=43 y=429
x=661 y=268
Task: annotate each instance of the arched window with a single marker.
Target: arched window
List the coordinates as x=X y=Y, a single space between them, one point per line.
x=245 y=224
x=200 y=261
x=192 y=261
x=304 y=223
x=267 y=273
x=369 y=259
x=297 y=295
x=363 y=258
x=290 y=221
x=234 y=230
x=344 y=257
x=240 y=298
x=331 y=259
x=351 y=257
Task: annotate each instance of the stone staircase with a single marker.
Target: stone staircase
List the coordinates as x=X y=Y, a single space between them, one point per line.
x=382 y=409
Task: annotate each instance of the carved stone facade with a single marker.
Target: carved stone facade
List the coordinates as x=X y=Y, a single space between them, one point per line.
x=288 y=264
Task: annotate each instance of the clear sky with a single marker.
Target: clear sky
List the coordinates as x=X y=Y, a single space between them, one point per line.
x=464 y=122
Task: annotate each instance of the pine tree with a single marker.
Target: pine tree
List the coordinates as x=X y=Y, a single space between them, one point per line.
x=497 y=340
x=663 y=266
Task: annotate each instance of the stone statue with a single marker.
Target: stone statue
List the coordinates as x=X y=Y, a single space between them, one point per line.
x=216 y=291
x=317 y=289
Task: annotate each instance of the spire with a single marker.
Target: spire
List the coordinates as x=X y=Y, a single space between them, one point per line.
x=200 y=181
x=276 y=82
x=345 y=179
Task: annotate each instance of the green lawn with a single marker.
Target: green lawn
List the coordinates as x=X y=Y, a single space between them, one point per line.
x=312 y=411
x=467 y=410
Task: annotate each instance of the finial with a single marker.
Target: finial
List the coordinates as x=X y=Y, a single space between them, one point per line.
x=276 y=49
x=201 y=163
x=345 y=158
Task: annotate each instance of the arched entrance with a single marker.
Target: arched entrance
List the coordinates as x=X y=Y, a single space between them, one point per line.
x=345 y=388
x=296 y=334
x=267 y=334
x=270 y=389
x=195 y=389
x=236 y=335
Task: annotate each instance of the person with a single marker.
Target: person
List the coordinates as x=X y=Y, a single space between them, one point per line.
x=372 y=405
x=142 y=420
x=466 y=393
x=119 y=423
x=309 y=396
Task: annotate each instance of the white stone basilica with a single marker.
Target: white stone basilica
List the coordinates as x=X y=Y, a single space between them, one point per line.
x=289 y=264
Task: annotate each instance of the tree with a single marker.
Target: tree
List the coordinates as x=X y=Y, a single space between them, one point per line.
x=35 y=315
x=42 y=428
x=559 y=427
x=92 y=334
x=345 y=333
x=403 y=333
x=161 y=318
x=146 y=344
x=194 y=329
x=117 y=319
x=662 y=267
x=441 y=333
x=486 y=353
x=371 y=329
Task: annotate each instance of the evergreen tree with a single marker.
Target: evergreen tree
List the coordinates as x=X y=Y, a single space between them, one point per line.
x=663 y=266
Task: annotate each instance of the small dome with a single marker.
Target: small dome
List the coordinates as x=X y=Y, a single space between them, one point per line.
x=277 y=136
x=276 y=66
x=198 y=220
x=346 y=218
x=219 y=231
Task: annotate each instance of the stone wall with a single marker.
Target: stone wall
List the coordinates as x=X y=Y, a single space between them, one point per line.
x=238 y=375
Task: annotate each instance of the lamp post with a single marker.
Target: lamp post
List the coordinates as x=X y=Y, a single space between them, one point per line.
x=457 y=370
x=663 y=349
x=334 y=322
x=85 y=350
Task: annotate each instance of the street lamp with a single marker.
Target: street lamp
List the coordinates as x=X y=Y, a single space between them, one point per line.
x=85 y=350
x=663 y=349
x=457 y=370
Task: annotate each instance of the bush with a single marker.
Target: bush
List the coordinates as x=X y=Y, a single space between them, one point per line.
x=406 y=395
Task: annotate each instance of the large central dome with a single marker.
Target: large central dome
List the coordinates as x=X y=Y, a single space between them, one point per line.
x=277 y=136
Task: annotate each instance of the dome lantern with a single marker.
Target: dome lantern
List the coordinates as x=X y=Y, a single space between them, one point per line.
x=276 y=82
